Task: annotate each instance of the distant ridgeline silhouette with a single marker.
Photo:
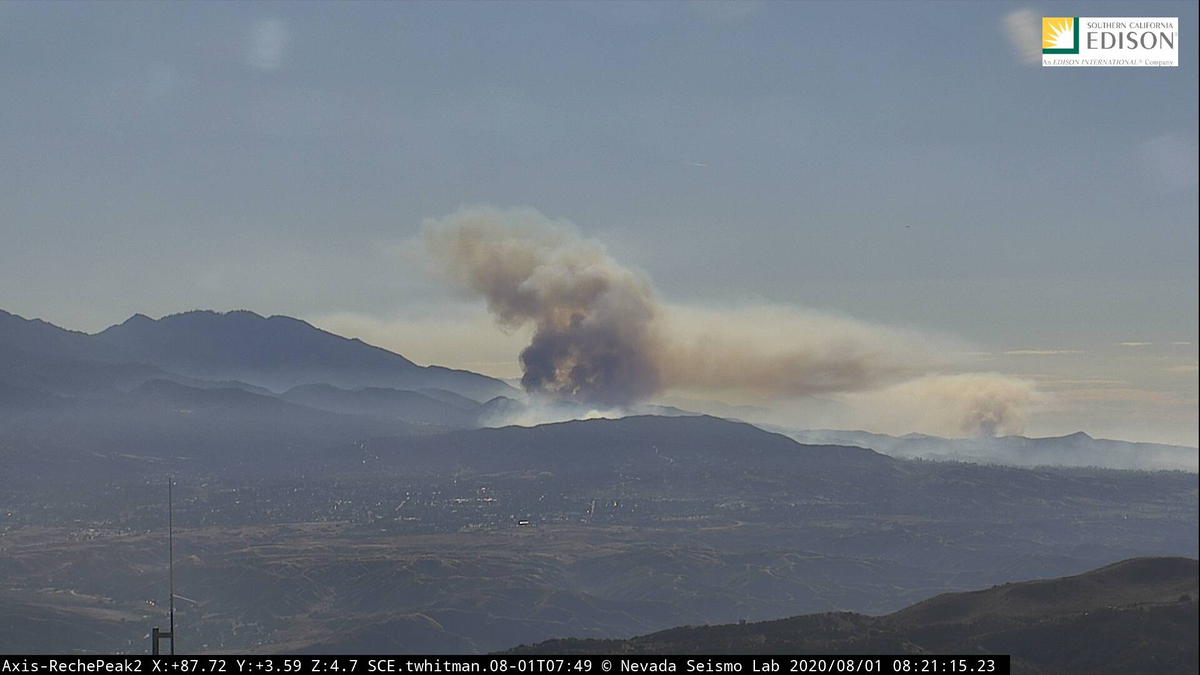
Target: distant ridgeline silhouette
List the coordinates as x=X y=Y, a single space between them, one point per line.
x=1136 y=616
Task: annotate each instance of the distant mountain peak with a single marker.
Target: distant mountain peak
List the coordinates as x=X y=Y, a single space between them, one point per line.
x=137 y=319
x=914 y=436
x=278 y=352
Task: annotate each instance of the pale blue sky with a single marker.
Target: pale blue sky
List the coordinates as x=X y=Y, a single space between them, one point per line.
x=897 y=162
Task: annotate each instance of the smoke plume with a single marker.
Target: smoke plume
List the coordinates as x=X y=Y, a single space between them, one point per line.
x=594 y=338
x=603 y=338
x=966 y=404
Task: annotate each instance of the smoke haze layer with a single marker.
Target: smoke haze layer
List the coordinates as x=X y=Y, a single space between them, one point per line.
x=603 y=338
x=966 y=404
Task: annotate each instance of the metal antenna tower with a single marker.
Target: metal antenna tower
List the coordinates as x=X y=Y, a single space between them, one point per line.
x=156 y=634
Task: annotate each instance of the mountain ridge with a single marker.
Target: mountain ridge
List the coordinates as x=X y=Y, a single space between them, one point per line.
x=1134 y=616
x=276 y=352
x=1076 y=449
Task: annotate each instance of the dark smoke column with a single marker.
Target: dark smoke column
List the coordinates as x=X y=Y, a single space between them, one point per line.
x=594 y=339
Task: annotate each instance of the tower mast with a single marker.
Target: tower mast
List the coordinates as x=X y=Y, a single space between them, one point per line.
x=155 y=633
x=171 y=556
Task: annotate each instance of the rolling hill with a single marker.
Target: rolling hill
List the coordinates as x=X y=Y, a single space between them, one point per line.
x=1135 y=616
x=388 y=404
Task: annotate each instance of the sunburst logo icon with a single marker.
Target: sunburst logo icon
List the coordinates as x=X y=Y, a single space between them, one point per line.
x=1060 y=35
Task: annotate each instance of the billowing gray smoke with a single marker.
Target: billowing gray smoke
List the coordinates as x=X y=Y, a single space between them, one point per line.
x=594 y=340
x=601 y=336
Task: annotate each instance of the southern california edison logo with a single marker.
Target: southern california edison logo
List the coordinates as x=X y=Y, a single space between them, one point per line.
x=1110 y=41
x=1060 y=35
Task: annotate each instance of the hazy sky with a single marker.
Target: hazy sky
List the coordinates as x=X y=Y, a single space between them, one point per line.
x=897 y=163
